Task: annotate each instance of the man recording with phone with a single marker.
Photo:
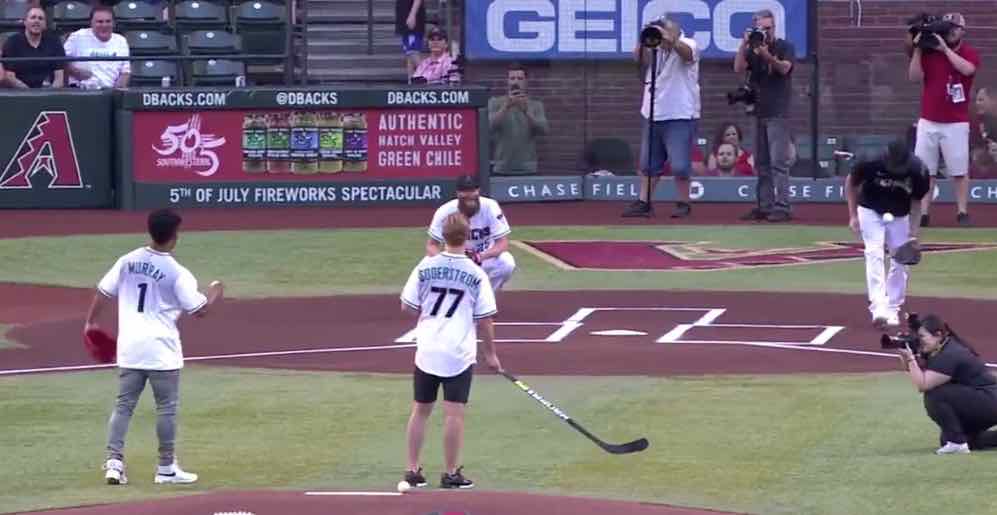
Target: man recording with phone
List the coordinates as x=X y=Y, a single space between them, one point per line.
x=960 y=394
x=769 y=62
x=670 y=61
x=516 y=121
x=945 y=64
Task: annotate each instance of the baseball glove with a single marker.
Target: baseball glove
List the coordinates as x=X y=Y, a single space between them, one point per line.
x=476 y=257
x=908 y=254
x=101 y=346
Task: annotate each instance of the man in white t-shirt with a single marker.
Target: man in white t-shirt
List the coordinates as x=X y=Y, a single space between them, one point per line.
x=676 y=116
x=153 y=290
x=455 y=304
x=98 y=41
x=488 y=243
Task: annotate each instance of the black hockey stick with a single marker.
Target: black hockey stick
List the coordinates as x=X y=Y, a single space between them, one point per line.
x=623 y=448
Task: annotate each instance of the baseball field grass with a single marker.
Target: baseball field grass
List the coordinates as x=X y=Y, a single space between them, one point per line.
x=777 y=444
x=263 y=264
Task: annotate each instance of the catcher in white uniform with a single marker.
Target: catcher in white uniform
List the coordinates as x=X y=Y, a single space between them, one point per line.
x=884 y=207
x=488 y=244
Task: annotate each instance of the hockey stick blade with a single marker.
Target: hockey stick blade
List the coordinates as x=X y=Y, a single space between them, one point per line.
x=624 y=448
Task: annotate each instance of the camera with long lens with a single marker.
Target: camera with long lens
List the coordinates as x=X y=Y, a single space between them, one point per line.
x=651 y=35
x=744 y=94
x=927 y=25
x=904 y=340
x=756 y=37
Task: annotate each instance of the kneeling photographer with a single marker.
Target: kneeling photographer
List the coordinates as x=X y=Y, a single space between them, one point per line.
x=960 y=394
x=769 y=88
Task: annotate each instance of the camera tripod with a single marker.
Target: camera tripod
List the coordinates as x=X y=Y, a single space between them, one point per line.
x=650 y=127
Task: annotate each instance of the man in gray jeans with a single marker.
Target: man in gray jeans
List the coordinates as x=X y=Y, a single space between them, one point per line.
x=152 y=289
x=770 y=66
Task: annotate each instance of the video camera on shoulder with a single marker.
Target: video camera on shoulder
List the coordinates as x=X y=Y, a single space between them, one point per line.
x=927 y=25
x=908 y=339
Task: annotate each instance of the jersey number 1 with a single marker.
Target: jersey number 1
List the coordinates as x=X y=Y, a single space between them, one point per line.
x=141 y=296
x=442 y=292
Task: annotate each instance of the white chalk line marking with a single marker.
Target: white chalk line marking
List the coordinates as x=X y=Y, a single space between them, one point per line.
x=357 y=494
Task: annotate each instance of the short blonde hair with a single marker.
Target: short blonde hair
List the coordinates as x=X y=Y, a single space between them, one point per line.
x=456 y=229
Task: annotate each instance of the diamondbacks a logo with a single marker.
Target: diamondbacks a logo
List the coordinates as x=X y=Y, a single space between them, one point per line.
x=47 y=148
x=685 y=256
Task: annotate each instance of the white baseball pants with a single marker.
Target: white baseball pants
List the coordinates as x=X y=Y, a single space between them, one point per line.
x=499 y=269
x=887 y=290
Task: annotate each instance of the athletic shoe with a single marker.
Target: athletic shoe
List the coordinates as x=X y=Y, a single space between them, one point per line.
x=682 y=210
x=173 y=474
x=779 y=216
x=456 y=480
x=638 y=209
x=879 y=321
x=953 y=448
x=115 y=474
x=755 y=215
x=963 y=219
x=893 y=319
x=415 y=479
x=925 y=220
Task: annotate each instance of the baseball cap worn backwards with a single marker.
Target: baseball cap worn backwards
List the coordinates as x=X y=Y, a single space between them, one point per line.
x=467 y=183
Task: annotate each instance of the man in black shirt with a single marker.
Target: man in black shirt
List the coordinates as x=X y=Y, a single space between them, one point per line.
x=884 y=196
x=960 y=393
x=35 y=41
x=770 y=66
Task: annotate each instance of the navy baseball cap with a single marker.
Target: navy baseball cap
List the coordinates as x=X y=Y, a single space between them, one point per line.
x=467 y=183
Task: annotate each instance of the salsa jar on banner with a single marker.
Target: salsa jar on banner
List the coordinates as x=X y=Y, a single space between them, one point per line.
x=213 y=146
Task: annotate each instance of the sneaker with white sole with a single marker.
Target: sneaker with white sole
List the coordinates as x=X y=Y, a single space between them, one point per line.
x=893 y=319
x=953 y=448
x=173 y=474
x=115 y=472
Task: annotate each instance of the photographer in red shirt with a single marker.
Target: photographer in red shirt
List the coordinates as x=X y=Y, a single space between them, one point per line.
x=946 y=71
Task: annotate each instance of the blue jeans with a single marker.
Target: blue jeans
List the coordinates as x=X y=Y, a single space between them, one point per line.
x=772 y=158
x=670 y=141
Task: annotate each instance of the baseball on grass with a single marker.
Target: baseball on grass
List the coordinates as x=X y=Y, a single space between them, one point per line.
x=403 y=486
x=887 y=217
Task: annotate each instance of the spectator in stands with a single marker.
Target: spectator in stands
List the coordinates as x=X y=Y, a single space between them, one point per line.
x=676 y=116
x=946 y=74
x=435 y=69
x=516 y=121
x=724 y=162
x=34 y=41
x=731 y=134
x=770 y=67
x=410 y=24
x=98 y=41
x=982 y=138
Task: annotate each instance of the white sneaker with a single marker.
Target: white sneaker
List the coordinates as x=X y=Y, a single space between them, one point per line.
x=893 y=319
x=115 y=474
x=953 y=448
x=879 y=321
x=174 y=474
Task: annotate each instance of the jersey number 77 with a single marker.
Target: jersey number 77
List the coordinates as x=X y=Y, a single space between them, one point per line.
x=441 y=293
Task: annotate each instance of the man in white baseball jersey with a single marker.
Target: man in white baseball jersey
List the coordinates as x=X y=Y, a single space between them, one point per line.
x=153 y=290
x=884 y=207
x=99 y=40
x=488 y=242
x=455 y=304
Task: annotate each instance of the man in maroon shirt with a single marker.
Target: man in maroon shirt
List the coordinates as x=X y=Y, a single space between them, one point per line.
x=947 y=73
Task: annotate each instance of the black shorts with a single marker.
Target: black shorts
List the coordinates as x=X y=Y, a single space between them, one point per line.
x=455 y=389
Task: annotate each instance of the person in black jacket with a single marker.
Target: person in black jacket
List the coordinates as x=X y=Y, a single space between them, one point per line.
x=960 y=393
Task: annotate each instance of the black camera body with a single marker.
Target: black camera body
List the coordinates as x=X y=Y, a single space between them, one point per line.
x=650 y=35
x=745 y=94
x=904 y=340
x=756 y=37
x=927 y=25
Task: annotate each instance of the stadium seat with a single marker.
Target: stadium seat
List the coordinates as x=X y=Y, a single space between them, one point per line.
x=216 y=72
x=149 y=42
x=137 y=15
x=201 y=15
x=150 y=73
x=260 y=14
x=211 y=42
x=12 y=15
x=70 y=15
x=613 y=154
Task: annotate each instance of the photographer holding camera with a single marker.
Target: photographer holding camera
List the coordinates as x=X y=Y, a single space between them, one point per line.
x=769 y=63
x=946 y=65
x=960 y=394
x=884 y=203
x=671 y=134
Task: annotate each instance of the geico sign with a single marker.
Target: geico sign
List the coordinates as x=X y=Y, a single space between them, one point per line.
x=612 y=25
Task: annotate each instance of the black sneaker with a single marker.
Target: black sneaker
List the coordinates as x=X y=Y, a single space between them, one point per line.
x=925 y=220
x=455 y=480
x=682 y=210
x=638 y=209
x=963 y=219
x=415 y=479
x=779 y=216
x=753 y=215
